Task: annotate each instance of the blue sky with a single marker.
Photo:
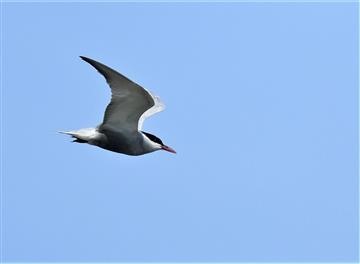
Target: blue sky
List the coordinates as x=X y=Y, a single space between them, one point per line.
x=261 y=108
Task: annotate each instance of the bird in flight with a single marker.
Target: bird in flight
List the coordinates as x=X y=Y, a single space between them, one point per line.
x=120 y=130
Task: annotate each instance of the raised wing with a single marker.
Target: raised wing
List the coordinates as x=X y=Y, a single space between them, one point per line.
x=130 y=104
x=156 y=108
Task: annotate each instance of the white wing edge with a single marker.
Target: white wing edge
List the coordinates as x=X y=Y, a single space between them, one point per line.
x=156 y=108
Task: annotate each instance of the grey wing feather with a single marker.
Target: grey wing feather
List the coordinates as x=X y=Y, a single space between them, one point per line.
x=129 y=101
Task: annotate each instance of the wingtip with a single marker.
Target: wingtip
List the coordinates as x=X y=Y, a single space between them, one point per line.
x=90 y=61
x=84 y=58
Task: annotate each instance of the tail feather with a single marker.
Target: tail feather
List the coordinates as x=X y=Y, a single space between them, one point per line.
x=82 y=135
x=78 y=140
x=74 y=135
x=71 y=133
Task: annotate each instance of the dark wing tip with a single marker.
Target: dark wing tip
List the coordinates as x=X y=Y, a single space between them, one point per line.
x=103 y=69
x=106 y=71
x=88 y=60
x=92 y=62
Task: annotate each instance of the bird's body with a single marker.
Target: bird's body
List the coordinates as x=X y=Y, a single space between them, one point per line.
x=134 y=143
x=120 y=130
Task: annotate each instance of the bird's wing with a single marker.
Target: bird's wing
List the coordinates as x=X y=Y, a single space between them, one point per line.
x=130 y=104
x=156 y=108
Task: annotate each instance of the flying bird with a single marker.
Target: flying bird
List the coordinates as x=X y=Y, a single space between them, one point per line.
x=121 y=129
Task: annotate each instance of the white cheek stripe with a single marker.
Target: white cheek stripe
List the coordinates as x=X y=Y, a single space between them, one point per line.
x=149 y=143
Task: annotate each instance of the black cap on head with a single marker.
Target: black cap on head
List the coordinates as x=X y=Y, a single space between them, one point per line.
x=153 y=138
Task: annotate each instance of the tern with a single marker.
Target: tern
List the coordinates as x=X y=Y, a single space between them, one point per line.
x=121 y=129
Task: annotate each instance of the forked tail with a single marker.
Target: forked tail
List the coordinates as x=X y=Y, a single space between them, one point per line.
x=80 y=136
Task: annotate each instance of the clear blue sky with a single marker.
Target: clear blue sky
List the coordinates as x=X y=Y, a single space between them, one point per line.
x=261 y=108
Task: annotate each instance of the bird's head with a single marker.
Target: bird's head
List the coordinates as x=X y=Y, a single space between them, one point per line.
x=156 y=143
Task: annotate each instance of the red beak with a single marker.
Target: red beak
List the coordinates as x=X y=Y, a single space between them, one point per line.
x=168 y=149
